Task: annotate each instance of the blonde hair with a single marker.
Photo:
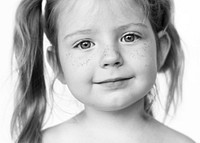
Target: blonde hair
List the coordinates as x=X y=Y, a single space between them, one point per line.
x=30 y=25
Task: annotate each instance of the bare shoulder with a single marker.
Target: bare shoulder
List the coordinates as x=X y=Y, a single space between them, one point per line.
x=62 y=133
x=169 y=135
x=177 y=137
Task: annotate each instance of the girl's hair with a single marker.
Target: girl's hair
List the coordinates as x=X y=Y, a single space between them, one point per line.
x=31 y=101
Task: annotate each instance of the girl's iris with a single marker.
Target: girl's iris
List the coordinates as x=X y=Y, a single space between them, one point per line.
x=130 y=37
x=86 y=44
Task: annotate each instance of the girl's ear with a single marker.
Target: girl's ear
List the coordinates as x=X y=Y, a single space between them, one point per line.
x=164 y=47
x=52 y=60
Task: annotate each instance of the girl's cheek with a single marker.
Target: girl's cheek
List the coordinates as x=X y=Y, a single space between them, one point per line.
x=78 y=60
x=144 y=55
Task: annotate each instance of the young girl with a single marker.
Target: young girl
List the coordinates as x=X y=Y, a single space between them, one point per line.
x=108 y=53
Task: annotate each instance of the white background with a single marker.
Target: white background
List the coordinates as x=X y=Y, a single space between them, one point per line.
x=187 y=21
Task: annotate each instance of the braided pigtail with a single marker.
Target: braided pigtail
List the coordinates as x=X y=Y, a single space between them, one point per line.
x=30 y=102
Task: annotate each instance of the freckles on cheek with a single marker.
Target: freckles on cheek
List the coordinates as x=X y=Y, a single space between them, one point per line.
x=145 y=54
x=77 y=61
x=80 y=62
x=139 y=52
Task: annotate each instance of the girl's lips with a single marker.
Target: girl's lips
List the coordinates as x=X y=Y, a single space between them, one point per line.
x=114 y=83
x=113 y=80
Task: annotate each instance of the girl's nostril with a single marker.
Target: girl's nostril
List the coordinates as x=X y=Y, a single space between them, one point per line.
x=117 y=63
x=106 y=65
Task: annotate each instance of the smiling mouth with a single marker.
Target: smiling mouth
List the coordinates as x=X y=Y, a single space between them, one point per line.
x=114 y=80
x=115 y=83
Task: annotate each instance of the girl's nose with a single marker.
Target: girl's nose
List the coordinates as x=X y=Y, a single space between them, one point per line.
x=111 y=57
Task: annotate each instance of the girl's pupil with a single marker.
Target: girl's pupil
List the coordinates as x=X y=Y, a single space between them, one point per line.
x=129 y=38
x=85 y=45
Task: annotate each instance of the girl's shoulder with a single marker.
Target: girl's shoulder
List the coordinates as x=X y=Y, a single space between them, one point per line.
x=177 y=137
x=72 y=132
x=59 y=133
x=170 y=135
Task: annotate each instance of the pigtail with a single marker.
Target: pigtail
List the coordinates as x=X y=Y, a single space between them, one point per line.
x=161 y=17
x=174 y=63
x=175 y=66
x=30 y=102
x=160 y=14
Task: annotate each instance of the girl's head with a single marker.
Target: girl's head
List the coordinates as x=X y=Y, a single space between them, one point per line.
x=101 y=41
x=108 y=52
x=89 y=46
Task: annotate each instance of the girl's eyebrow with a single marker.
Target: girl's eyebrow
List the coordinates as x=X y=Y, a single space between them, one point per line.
x=79 y=32
x=89 y=31
x=124 y=27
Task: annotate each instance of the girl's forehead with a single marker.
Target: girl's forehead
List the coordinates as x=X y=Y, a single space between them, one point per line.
x=92 y=7
x=89 y=12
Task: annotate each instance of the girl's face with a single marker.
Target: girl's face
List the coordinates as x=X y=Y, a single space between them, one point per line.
x=107 y=52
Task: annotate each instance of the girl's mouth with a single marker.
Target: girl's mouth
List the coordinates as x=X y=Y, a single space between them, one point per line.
x=113 y=80
x=114 y=83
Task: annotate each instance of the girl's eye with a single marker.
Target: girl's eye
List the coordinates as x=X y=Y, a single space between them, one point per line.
x=86 y=44
x=131 y=37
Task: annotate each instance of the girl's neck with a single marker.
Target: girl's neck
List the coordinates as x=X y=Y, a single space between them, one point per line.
x=132 y=117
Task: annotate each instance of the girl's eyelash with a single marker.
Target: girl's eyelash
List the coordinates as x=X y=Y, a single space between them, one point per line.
x=84 y=44
x=130 y=37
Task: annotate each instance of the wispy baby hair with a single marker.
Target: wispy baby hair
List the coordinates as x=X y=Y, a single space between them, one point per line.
x=31 y=101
